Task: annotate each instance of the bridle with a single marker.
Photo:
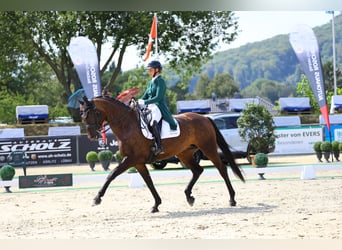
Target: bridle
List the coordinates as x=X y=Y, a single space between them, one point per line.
x=84 y=114
x=99 y=128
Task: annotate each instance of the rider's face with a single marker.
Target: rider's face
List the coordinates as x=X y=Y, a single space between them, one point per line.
x=152 y=71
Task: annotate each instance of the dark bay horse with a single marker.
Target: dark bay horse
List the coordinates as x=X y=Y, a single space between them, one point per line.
x=197 y=132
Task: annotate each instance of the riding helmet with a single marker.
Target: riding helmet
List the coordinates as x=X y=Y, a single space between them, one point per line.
x=154 y=64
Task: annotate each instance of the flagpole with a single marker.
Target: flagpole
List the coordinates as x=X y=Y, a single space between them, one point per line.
x=156 y=40
x=334 y=55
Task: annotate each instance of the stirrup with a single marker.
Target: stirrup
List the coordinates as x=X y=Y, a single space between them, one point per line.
x=157 y=150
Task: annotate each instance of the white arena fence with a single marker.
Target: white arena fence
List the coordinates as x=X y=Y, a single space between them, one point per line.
x=305 y=172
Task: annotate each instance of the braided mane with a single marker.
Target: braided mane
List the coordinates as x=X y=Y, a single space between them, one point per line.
x=114 y=100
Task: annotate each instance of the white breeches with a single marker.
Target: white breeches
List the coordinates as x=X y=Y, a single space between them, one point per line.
x=155 y=113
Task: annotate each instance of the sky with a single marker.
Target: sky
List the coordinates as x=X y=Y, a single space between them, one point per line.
x=254 y=26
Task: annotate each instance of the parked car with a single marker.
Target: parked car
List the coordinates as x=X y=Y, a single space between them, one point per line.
x=227 y=124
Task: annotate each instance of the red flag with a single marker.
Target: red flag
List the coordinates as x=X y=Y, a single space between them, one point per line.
x=103 y=132
x=152 y=36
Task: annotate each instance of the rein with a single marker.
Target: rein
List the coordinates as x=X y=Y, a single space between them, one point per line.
x=100 y=127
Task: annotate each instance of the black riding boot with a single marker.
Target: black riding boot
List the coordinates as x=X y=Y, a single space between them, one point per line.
x=156 y=134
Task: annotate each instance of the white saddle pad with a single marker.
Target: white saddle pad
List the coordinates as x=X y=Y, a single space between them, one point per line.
x=166 y=132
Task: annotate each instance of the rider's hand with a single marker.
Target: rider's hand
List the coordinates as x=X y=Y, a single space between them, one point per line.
x=141 y=103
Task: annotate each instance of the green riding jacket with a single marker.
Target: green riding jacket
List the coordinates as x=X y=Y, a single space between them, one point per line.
x=155 y=94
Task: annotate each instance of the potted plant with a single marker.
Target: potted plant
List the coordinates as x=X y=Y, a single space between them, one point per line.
x=317 y=149
x=7 y=173
x=118 y=157
x=335 y=149
x=105 y=157
x=261 y=161
x=326 y=149
x=256 y=126
x=92 y=158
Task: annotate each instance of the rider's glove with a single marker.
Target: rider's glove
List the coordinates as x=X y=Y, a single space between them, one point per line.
x=141 y=103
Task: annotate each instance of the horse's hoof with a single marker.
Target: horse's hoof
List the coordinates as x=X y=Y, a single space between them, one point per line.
x=154 y=210
x=191 y=200
x=232 y=203
x=97 y=201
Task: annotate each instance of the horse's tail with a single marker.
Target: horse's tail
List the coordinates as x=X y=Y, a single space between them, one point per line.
x=228 y=155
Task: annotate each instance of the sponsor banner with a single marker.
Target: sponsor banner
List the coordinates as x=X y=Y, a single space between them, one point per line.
x=55 y=150
x=297 y=140
x=41 y=150
x=86 y=145
x=305 y=45
x=39 y=181
x=84 y=56
x=336 y=133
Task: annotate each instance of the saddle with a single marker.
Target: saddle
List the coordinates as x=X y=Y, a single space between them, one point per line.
x=165 y=130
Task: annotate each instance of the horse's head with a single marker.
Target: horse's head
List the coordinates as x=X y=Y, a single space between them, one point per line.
x=92 y=118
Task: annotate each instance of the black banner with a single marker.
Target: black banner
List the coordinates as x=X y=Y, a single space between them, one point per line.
x=41 y=150
x=39 y=181
x=86 y=145
x=55 y=150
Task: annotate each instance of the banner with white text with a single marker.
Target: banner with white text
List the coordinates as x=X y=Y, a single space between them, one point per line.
x=304 y=43
x=84 y=56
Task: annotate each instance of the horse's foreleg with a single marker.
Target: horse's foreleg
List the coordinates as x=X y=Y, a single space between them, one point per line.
x=111 y=176
x=196 y=172
x=148 y=180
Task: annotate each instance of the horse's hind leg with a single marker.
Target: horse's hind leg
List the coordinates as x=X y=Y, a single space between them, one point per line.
x=188 y=159
x=216 y=160
x=148 y=180
x=224 y=173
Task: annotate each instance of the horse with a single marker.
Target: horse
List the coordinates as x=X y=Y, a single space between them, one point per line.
x=197 y=132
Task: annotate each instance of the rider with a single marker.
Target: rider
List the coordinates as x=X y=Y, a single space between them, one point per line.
x=154 y=97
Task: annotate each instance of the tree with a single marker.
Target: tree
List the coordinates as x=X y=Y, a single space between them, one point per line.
x=137 y=78
x=328 y=72
x=304 y=89
x=268 y=89
x=201 y=86
x=35 y=85
x=223 y=85
x=256 y=126
x=187 y=38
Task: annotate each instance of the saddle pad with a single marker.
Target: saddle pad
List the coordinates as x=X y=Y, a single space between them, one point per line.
x=166 y=132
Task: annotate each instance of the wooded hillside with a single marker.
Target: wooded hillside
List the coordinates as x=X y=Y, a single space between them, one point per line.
x=272 y=58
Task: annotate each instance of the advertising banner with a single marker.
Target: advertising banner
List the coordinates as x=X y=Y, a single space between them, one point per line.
x=304 y=43
x=297 y=140
x=84 y=56
x=39 y=181
x=86 y=145
x=41 y=150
